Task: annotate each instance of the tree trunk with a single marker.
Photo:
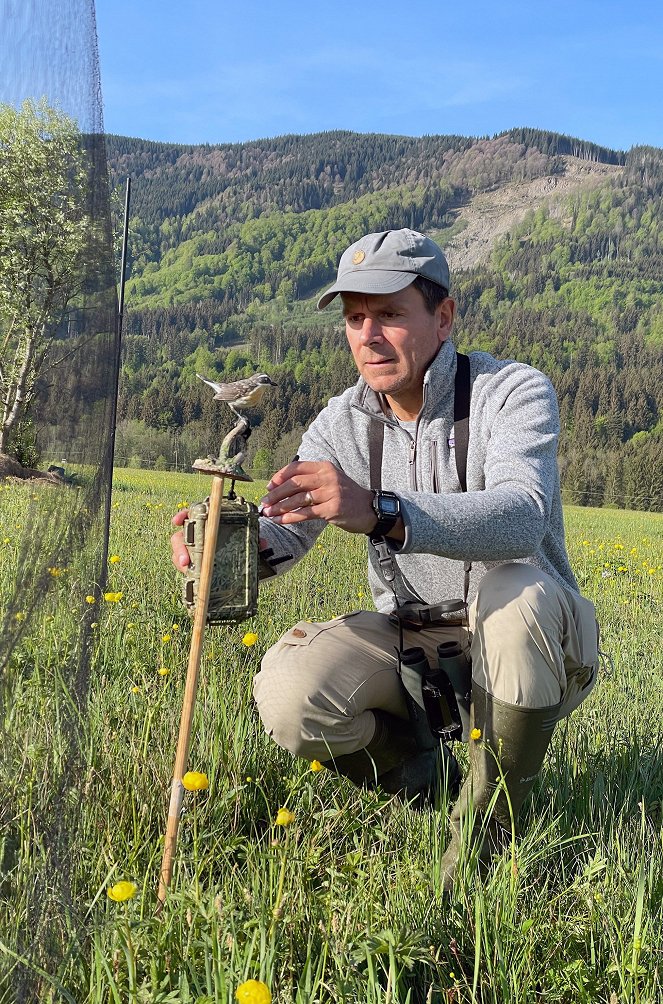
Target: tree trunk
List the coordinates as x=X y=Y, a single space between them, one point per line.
x=16 y=393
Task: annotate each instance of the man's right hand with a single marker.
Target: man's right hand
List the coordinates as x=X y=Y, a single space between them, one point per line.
x=180 y=555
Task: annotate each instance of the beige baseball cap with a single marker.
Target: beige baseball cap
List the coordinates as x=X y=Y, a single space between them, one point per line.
x=386 y=263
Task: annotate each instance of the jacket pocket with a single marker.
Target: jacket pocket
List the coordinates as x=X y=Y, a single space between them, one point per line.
x=305 y=632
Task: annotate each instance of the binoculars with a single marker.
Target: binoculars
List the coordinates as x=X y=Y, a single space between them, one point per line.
x=438 y=698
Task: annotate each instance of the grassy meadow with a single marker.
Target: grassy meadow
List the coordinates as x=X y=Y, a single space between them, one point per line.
x=342 y=904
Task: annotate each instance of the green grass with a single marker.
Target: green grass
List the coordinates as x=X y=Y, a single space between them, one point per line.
x=343 y=905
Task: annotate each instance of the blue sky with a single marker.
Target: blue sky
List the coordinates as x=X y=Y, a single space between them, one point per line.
x=212 y=71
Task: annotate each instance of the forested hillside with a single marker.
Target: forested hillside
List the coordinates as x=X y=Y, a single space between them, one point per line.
x=230 y=245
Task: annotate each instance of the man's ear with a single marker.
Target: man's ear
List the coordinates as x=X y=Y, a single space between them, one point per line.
x=447 y=310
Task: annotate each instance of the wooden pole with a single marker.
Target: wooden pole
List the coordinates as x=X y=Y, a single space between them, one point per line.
x=195 y=652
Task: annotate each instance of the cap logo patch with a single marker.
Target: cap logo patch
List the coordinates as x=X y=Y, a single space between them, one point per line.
x=358 y=257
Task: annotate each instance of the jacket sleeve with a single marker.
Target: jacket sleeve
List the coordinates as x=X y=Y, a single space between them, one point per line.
x=512 y=476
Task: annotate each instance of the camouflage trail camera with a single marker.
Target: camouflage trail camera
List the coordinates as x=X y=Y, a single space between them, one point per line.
x=234 y=589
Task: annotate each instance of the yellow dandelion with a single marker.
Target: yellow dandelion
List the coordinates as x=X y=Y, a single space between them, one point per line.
x=316 y=766
x=193 y=780
x=6 y=540
x=253 y=992
x=475 y=734
x=135 y=690
x=20 y=615
x=121 y=891
x=249 y=639
x=90 y=598
x=112 y=597
x=284 y=817
x=55 y=572
x=114 y=559
x=131 y=624
x=174 y=627
x=165 y=637
x=163 y=671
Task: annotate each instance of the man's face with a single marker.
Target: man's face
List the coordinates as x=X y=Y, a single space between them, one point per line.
x=393 y=339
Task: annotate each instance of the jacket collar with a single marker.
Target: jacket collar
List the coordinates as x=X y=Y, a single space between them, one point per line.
x=438 y=383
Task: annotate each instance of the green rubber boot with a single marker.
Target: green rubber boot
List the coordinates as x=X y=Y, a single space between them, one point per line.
x=394 y=761
x=512 y=746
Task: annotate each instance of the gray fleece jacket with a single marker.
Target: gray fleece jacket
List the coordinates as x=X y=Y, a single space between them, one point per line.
x=512 y=509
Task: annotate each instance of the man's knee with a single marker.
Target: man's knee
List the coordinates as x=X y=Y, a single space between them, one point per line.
x=317 y=684
x=285 y=696
x=508 y=588
x=517 y=629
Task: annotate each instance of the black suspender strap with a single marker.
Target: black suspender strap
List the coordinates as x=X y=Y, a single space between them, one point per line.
x=462 y=416
x=375 y=448
x=462 y=394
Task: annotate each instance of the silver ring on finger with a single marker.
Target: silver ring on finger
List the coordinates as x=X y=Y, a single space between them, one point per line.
x=308 y=498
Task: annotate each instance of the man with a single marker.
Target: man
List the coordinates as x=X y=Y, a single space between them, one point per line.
x=331 y=691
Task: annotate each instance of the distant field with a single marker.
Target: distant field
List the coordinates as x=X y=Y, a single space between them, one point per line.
x=344 y=904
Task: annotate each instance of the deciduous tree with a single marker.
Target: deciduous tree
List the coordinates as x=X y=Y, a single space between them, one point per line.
x=46 y=234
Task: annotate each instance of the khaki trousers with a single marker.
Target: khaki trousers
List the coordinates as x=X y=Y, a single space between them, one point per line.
x=532 y=644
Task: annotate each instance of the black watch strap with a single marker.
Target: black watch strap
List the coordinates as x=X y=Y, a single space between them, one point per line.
x=387 y=508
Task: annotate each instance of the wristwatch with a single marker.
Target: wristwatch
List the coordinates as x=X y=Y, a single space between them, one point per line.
x=387 y=508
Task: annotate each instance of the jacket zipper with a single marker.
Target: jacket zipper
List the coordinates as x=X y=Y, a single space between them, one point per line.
x=435 y=481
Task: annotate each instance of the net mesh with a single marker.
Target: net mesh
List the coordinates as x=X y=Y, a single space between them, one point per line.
x=58 y=372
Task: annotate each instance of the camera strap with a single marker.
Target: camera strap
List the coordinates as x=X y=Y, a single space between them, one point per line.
x=462 y=396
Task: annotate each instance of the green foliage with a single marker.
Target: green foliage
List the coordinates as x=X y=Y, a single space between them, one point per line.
x=45 y=233
x=236 y=242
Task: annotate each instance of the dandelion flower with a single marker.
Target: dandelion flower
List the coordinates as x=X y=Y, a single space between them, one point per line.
x=90 y=598
x=174 y=627
x=165 y=637
x=316 y=766
x=121 y=891
x=135 y=690
x=193 y=780
x=253 y=992
x=55 y=572
x=20 y=616
x=112 y=597
x=284 y=817
x=114 y=559
x=249 y=639
x=163 y=671
x=475 y=734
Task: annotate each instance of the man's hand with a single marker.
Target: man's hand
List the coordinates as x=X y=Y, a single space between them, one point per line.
x=318 y=490
x=180 y=555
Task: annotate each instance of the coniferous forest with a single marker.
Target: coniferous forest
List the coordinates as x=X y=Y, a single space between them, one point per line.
x=230 y=245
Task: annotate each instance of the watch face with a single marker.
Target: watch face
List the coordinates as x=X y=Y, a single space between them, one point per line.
x=389 y=506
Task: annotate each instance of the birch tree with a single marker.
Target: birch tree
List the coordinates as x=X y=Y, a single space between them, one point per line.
x=45 y=236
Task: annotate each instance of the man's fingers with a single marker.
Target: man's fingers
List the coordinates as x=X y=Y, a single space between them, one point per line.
x=180 y=555
x=292 y=470
x=179 y=517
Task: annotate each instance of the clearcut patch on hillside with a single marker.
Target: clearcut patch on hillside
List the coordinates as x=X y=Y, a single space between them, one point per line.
x=488 y=216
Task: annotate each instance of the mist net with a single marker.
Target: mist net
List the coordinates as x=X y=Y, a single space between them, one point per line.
x=58 y=362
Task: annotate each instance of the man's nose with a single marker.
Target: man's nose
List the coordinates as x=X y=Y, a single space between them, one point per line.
x=370 y=329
